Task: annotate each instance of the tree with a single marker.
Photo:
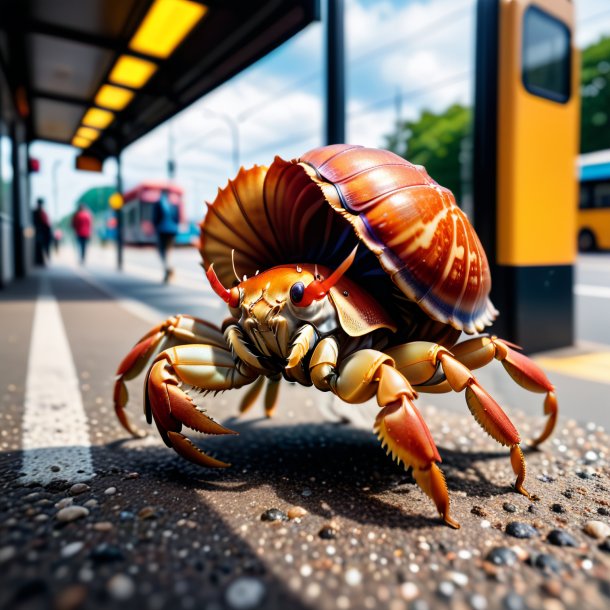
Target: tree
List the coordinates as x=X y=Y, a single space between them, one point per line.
x=595 y=91
x=435 y=141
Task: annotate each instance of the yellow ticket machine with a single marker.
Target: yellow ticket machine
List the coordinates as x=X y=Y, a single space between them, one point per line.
x=525 y=172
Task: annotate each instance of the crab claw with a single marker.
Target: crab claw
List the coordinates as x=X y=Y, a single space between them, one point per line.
x=208 y=367
x=406 y=437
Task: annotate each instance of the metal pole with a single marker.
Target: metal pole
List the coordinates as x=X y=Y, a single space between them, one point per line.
x=171 y=159
x=119 y=216
x=335 y=73
x=54 y=169
x=234 y=129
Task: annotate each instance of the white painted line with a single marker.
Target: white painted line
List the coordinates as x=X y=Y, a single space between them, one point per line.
x=55 y=442
x=136 y=308
x=585 y=290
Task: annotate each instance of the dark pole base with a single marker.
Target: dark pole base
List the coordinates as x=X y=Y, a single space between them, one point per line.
x=536 y=306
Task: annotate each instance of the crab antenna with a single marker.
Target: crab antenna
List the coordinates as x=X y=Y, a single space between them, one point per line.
x=335 y=276
x=318 y=289
x=228 y=296
x=233 y=264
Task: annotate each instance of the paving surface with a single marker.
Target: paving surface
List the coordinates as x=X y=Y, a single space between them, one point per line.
x=312 y=513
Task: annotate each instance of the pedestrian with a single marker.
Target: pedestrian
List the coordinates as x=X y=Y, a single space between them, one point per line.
x=166 y=218
x=82 y=223
x=42 y=233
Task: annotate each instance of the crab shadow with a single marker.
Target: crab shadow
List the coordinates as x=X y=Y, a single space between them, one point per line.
x=331 y=470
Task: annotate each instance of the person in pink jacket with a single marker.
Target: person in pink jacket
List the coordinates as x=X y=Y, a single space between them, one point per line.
x=82 y=223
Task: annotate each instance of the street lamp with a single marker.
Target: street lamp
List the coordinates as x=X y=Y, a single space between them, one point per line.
x=54 y=169
x=234 y=129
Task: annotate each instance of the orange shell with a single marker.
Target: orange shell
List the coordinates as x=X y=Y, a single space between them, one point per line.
x=316 y=208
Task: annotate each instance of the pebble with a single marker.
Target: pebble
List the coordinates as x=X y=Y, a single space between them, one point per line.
x=561 y=538
x=545 y=562
x=296 y=512
x=7 y=553
x=558 y=508
x=502 y=556
x=64 y=502
x=513 y=601
x=509 y=507
x=71 y=513
x=91 y=503
x=605 y=546
x=409 y=591
x=72 y=549
x=597 y=529
x=328 y=532
x=148 y=512
x=103 y=526
x=121 y=587
x=78 y=488
x=110 y=491
x=479 y=511
x=106 y=553
x=306 y=492
x=244 y=593
x=126 y=515
x=517 y=529
x=602 y=510
x=71 y=598
x=353 y=577
x=446 y=589
x=274 y=514
x=478 y=602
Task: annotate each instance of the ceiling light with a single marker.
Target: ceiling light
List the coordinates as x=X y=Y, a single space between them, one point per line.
x=132 y=71
x=113 y=97
x=80 y=142
x=96 y=117
x=88 y=133
x=165 y=26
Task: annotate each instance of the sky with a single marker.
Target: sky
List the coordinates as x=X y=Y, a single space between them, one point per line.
x=402 y=56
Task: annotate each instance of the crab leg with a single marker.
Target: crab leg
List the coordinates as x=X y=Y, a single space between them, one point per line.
x=174 y=331
x=207 y=367
x=479 y=351
x=399 y=425
x=419 y=361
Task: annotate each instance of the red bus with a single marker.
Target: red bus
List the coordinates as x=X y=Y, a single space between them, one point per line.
x=138 y=206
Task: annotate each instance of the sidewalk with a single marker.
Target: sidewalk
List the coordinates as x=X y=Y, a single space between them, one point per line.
x=156 y=532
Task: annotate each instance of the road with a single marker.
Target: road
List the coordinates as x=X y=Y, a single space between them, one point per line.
x=153 y=531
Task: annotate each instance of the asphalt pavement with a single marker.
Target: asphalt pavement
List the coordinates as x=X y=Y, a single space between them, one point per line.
x=312 y=514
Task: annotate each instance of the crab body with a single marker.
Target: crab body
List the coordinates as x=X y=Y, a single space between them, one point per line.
x=357 y=274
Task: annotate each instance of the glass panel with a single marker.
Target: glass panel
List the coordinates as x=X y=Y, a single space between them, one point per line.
x=546 y=56
x=601 y=195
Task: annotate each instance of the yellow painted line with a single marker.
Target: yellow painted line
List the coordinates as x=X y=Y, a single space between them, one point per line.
x=594 y=366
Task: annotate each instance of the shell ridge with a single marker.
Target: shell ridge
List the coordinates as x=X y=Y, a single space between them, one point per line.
x=231 y=227
x=247 y=219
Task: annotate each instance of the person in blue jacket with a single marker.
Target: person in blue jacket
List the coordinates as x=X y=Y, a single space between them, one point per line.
x=166 y=218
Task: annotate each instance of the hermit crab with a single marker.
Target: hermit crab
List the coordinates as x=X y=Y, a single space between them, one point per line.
x=358 y=275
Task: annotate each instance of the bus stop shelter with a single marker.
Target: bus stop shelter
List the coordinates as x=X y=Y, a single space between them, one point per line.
x=99 y=74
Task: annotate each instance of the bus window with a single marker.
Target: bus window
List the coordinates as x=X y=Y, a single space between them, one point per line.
x=585 y=197
x=601 y=195
x=546 y=56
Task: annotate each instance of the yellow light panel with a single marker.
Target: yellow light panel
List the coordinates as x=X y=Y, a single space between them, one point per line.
x=88 y=133
x=96 y=117
x=115 y=98
x=80 y=142
x=165 y=26
x=132 y=71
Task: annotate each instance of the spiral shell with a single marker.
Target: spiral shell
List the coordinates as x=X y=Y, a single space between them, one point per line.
x=316 y=208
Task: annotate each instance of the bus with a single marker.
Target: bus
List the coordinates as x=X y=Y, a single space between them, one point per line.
x=594 y=201
x=138 y=206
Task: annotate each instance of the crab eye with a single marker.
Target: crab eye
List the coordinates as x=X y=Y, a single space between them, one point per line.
x=297 y=291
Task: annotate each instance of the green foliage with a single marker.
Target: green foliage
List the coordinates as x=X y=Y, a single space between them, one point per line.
x=435 y=141
x=96 y=199
x=595 y=91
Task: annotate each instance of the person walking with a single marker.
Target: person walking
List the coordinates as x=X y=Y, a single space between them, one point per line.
x=42 y=233
x=166 y=218
x=82 y=223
